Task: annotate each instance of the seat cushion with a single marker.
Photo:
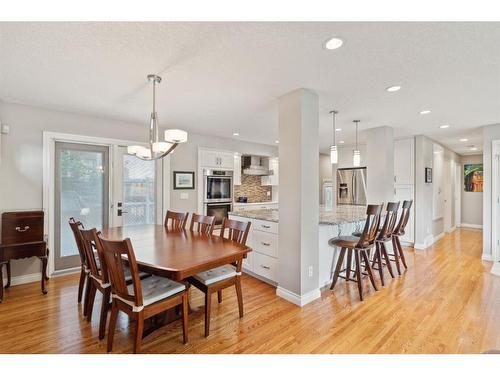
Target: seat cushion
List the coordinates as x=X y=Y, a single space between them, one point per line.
x=216 y=274
x=344 y=241
x=156 y=288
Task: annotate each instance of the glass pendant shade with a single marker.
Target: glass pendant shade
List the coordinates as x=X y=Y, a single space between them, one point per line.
x=161 y=146
x=132 y=150
x=176 y=136
x=356 y=158
x=143 y=152
x=334 y=154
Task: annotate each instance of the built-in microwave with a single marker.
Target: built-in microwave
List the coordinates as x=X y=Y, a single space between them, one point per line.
x=218 y=186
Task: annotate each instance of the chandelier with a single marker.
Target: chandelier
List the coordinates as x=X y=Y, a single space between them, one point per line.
x=157 y=149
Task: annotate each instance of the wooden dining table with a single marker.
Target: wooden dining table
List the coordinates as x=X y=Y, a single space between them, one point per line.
x=177 y=254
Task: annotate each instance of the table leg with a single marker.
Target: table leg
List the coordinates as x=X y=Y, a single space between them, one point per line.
x=1 y=282
x=44 y=273
x=7 y=265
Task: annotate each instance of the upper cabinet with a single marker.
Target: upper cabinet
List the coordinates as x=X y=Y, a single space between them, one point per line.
x=273 y=179
x=216 y=159
x=237 y=169
x=404 y=161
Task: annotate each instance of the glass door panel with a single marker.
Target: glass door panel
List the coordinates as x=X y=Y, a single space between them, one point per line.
x=82 y=191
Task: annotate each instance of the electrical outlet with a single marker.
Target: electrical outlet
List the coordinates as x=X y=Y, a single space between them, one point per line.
x=310 y=271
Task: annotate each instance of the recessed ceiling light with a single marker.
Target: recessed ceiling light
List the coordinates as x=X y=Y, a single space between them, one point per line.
x=463 y=139
x=341 y=142
x=333 y=43
x=236 y=134
x=393 y=88
x=276 y=142
x=445 y=126
x=338 y=129
x=425 y=112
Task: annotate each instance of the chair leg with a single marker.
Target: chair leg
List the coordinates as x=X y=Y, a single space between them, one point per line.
x=387 y=260
x=239 y=295
x=358 y=275
x=338 y=267
x=396 y=256
x=87 y=283
x=368 y=268
x=348 y=265
x=139 y=329
x=378 y=259
x=401 y=253
x=9 y=276
x=185 y=308
x=90 y=307
x=81 y=284
x=208 y=301
x=219 y=296
x=104 y=313
x=112 y=326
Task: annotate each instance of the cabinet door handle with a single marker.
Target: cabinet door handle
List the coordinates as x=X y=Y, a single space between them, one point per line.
x=265 y=226
x=265 y=267
x=19 y=229
x=265 y=244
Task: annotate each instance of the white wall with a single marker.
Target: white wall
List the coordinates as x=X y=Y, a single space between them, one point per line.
x=472 y=203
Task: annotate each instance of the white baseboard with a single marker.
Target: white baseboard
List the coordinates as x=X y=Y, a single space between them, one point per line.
x=299 y=300
x=487 y=257
x=451 y=230
x=428 y=241
x=67 y=271
x=495 y=269
x=437 y=238
x=473 y=226
x=24 y=279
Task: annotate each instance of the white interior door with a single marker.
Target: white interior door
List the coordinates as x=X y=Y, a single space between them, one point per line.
x=458 y=194
x=138 y=190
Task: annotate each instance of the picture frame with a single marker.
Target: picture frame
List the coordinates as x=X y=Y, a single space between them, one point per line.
x=183 y=180
x=428 y=175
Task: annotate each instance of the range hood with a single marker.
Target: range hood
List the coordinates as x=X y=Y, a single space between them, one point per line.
x=255 y=166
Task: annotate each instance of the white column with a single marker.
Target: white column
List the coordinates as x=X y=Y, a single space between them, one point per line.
x=299 y=197
x=380 y=165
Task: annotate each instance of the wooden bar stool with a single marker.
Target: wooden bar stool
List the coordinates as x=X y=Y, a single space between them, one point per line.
x=399 y=230
x=358 y=246
x=385 y=235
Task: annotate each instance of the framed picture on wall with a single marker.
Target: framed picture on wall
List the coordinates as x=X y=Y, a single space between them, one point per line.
x=183 y=180
x=473 y=178
x=428 y=175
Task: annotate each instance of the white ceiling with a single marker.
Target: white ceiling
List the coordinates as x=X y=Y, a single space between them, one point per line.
x=221 y=78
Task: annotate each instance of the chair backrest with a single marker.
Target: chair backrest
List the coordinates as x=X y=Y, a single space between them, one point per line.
x=75 y=226
x=113 y=252
x=176 y=220
x=391 y=214
x=90 y=241
x=238 y=230
x=203 y=224
x=403 y=219
x=371 y=226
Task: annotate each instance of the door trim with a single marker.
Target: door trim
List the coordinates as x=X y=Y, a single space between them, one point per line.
x=48 y=198
x=495 y=196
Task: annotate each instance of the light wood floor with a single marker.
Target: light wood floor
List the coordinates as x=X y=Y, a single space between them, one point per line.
x=446 y=302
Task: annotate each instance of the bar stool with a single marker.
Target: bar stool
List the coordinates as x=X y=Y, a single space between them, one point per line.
x=358 y=246
x=399 y=230
x=385 y=235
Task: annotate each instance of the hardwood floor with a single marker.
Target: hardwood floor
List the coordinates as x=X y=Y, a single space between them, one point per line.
x=446 y=302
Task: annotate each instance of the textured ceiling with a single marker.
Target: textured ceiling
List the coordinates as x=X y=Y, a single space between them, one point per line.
x=220 y=78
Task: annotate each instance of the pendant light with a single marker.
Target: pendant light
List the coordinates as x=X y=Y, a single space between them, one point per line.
x=157 y=149
x=334 y=155
x=356 y=155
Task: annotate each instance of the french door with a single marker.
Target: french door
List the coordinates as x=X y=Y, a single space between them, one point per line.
x=81 y=191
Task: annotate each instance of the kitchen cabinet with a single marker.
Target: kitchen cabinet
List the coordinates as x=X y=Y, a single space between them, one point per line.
x=237 y=169
x=404 y=161
x=216 y=159
x=255 y=206
x=273 y=179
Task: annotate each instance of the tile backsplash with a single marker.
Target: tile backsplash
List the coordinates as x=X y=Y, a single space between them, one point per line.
x=252 y=189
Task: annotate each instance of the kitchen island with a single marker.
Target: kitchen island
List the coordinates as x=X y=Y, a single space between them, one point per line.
x=263 y=238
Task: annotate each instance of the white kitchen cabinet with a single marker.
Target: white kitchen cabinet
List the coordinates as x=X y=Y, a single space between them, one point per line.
x=255 y=206
x=237 y=169
x=216 y=159
x=404 y=161
x=273 y=179
x=404 y=193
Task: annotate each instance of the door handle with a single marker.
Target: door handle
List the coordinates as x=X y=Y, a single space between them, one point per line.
x=121 y=212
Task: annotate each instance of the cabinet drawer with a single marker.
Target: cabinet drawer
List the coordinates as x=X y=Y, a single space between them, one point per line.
x=265 y=226
x=264 y=266
x=265 y=243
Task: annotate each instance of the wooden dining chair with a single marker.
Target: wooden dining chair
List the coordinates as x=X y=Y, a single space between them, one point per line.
x=202 y=224
x=217 y=279
x=142 y=299
x=176 y=220
x=75 y=226
x=385 y=235
x=358 y=246
x=399 y=231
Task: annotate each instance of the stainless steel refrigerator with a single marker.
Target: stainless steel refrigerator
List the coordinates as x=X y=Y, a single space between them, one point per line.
x=351 y=186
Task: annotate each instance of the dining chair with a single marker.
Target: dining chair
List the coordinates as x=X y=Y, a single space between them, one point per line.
x=75 y=226
x=358 y=246
x=202 y=224
x=176 y=220
x=217 y=279
x=385 y=235
x=142 y=299
x=399 y=231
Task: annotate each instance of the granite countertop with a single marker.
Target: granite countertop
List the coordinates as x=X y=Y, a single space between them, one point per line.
x=337 y=215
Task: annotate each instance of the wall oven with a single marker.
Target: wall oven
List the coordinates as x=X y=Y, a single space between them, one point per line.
x=218 y=186
x=219 y=210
